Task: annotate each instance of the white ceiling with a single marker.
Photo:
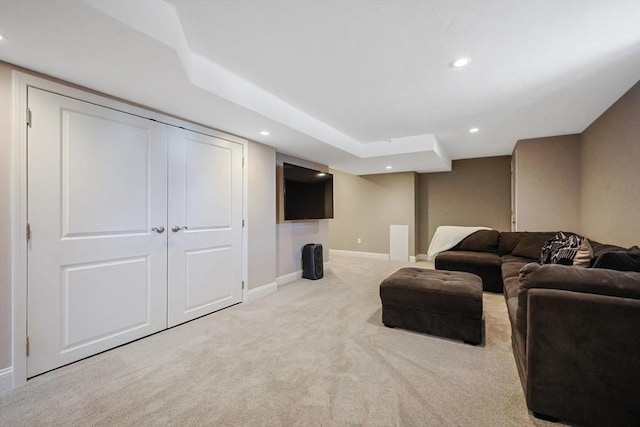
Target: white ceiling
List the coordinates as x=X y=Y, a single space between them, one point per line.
x=357 y=85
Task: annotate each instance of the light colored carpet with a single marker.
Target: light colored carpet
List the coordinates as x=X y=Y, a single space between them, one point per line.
x=314 y=353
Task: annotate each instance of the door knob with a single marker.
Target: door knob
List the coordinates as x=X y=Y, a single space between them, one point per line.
x=177 y=228
x=158 y=230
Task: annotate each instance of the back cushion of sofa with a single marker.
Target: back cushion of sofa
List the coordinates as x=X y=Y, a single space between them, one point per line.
x=526 y=244
x=481 y=241
x=530 y=245
x=508 y=241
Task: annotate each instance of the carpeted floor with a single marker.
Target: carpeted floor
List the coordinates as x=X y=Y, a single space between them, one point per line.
x=314 y=353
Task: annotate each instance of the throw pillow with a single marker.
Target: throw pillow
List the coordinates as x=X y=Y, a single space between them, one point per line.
x=584 y=255
x=560 y=249
x=627 y=260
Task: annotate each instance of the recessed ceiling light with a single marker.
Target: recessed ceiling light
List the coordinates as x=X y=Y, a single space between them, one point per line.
x=473 y=130
x=388 y=167
x=2 y=37
x=264 y=132
x=460 y=62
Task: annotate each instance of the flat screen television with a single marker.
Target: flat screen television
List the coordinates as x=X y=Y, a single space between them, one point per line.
x=308 y=193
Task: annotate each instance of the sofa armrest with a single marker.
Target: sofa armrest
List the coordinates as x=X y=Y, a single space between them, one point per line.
x=589 y=280
x=580 y=280
x=582 y=357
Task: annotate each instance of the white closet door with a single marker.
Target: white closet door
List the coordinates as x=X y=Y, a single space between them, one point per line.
x=96 y=271
x=205 y=225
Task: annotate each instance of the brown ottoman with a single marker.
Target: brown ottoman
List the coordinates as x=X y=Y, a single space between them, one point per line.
x=438 y=302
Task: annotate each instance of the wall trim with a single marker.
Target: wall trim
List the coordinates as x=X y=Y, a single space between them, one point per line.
x=412 y=259
x=6 y=379
x=326 y=266
x=297 y=275
x=262 y=291
x=288 y=278
x=371 y=255
x=422 y=257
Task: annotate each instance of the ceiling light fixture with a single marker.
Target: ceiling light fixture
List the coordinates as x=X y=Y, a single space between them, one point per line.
x=2 y=37
x=473 y=130
x=388 y=167
x=264 y=132
x=460 y=62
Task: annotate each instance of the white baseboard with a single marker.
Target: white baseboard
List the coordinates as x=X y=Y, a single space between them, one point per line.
x=422 y=257
x=372 y=255
x=262 y=291
x=297 y=275
x=6 y=380
x=288 y=278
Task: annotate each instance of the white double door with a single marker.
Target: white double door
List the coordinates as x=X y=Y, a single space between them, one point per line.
x=136 y=226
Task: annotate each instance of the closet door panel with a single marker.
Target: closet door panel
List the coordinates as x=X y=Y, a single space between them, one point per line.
x=97 y=185
x=205 y=218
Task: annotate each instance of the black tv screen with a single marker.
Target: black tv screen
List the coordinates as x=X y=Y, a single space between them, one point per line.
x=308 y=193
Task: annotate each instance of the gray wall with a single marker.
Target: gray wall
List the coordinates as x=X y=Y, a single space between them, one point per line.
x=548 y=183
x=610 y=173
x=261 y=215
x=291 y=236
x=365 y=206
x=477 y=192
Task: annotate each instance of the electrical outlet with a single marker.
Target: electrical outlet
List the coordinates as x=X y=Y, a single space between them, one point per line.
x=359 y=241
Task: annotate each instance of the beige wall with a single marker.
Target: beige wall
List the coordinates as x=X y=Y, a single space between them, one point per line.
x=548 y=183
x=261 y=215
x=6 y=166
x=610 y=173
x=291 y=236
x=477 y=192
x=366 y=205
x=422 y=213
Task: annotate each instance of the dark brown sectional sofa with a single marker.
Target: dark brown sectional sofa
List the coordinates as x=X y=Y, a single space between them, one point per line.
x=575 y=331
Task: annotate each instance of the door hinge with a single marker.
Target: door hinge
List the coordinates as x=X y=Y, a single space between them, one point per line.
x=28 y=116
x=243 y=161
x=28 y=232
x=243 y=284
x=27 y=346
x=243 y=223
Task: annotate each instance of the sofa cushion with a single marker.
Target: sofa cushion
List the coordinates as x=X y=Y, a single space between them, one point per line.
x=508 y=259
x=511 y=278
x=620 y=260
x=511 y=286
x=484 y=264
x=481 y=241
x=508 y=241
x=530 y=245
x=512 y=269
